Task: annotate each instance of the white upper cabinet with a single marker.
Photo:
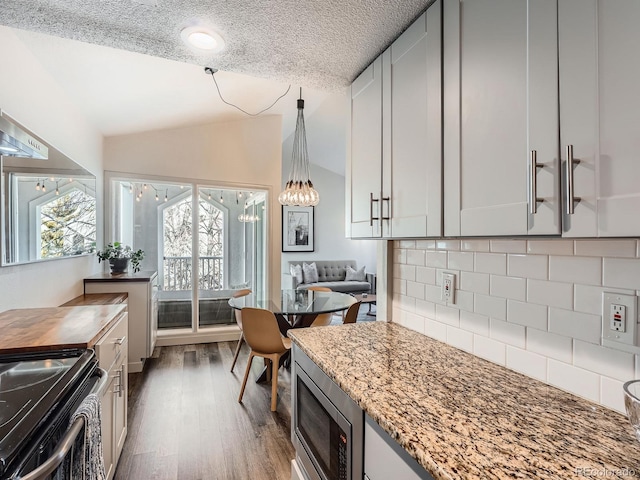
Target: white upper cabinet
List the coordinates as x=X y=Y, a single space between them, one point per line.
x=412 y=130
x=364 y=154
x=599 y=105
x=395 y=172
x=501 y=167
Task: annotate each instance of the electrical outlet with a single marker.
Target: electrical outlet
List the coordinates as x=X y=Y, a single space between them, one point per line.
x=449 y=287
x=619 y=319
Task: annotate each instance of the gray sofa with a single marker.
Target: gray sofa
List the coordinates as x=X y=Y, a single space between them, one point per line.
x=332 y=274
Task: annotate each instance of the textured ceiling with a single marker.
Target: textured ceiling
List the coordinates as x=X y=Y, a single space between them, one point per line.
x=321 y=44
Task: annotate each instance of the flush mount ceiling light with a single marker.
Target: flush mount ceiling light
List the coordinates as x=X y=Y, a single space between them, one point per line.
x=202 y=38
x=299 y=190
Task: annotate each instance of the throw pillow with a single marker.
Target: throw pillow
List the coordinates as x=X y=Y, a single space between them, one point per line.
x=355 y=275
x=296 y=272
x=310 y=272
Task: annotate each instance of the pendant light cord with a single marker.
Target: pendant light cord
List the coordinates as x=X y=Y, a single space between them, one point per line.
x=212 y=72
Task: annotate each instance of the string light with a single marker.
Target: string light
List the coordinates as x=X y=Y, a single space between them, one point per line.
x=44 y=187
x=221 y=199
x=165 y=196
x=57 y=189
x=131 y=188
x=38 y=185
x=145 y=186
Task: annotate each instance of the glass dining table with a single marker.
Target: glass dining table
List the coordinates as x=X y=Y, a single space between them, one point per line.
x=297 y=308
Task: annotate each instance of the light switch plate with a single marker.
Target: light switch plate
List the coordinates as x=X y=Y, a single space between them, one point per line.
x=619 y=318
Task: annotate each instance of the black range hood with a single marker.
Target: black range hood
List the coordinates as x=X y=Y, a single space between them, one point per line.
x=15 y=142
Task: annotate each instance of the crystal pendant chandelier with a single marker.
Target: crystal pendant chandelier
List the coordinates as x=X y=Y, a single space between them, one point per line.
x=299 y=190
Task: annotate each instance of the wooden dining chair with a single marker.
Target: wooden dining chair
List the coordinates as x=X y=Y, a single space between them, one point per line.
x=238 y=313
x=323 y=319
x=261 y=332
x=352 y=313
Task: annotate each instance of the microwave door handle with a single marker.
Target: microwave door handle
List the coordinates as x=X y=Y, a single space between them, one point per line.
x=57 y=457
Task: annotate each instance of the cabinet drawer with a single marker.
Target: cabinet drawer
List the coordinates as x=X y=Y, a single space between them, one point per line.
x=111 y=345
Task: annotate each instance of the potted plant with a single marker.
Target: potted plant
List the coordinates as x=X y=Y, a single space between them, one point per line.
x=119 y=256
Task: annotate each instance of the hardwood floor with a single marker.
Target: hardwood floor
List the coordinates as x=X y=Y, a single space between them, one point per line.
x=185 y=422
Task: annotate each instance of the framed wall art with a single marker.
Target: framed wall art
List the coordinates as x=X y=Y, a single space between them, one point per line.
x=297 y=229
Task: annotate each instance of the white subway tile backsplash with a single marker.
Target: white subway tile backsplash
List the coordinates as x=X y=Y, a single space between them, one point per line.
x=425 y=244
x=509 y=246
x=508 y=287
x=416 y=257
x=582 y=326
x=550 y=247
x=612 y=394
x=606 y=248
x=527 y=314
x=476 y=245
x=492 y=350
x=491 y=263
x=528 y=266
x=575 y=380
x=460 y=338
x=550 y=345
x=426 y=309
x=433 y=293
x=464 y=300
x=413 y=321
x=474 y=282
x=399 y=255
x=603 y=360
x=399 y=286
x=447 y=244
x=585 y=270
x=532 y=305
x=448 y=315
x=554 y=294
x=435 y=330
x=461 y=261
x=508 y=333
x=408 y=304
x=406 y=272
x=491 y=306
x=437 y=259
x=426 y=275
x=623 y=273
x=475 y=323
x=415 y=290
x=529 y=363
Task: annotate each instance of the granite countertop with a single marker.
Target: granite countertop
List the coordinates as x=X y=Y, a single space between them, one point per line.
x=37 y=329
x=462 y=417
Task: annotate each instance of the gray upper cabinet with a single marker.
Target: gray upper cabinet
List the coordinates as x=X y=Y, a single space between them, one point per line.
x=364 y=148
x=599 y=105
x=396 y=157
x=501 y=147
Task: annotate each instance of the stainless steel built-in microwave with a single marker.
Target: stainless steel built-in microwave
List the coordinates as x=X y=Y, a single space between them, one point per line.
x=327 y=426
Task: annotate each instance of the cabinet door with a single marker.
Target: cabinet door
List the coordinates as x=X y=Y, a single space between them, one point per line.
x=120 y=408
x=599 y=105
x=412 y=126
x=106 y=407
x=500 y=109
x=364 y=167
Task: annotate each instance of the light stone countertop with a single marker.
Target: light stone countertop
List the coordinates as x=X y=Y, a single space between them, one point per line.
x=462 y=417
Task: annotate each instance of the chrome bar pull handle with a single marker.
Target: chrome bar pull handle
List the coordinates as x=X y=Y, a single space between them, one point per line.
x=371 y=217
x=120 y=341
x=388 y=200
x=533 y=182
x=570 y=164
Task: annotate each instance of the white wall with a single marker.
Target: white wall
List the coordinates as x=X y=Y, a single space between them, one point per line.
x=534 y=306
x=30 y=95
x=234 y=154
x=327 y=143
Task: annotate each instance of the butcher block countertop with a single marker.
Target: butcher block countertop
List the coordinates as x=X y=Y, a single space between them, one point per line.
x=97 y=299
x=462 y=417
x=37 y=329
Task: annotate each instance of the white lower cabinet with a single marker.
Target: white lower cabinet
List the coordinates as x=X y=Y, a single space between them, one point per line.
x=384 y=458
x=111 y=350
